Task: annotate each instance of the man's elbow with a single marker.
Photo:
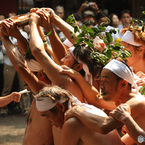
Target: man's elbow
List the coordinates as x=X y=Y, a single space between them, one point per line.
x=35 y=51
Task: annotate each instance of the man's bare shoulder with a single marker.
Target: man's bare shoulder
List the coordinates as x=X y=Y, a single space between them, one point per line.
x=137 y=105
x=72 y=123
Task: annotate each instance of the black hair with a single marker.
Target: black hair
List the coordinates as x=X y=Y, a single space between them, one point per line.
x=84 y=53
x=125 y=11
x=100 y=15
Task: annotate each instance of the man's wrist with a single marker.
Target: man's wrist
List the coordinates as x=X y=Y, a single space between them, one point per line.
x=125 y=119
x=54 y=18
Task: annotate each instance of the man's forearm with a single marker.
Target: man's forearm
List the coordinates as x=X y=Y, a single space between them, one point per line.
x=133 y=128
x=64 y=27
x=98 y=123
x=20 y=65
x=5 y=100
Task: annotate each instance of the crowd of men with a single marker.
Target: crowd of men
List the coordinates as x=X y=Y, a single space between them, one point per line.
x=78 y=100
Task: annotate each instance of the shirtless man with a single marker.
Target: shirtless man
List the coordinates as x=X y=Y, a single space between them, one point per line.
x=53 y=102
x=38 y=129
x=43 y=134
x=116 y=81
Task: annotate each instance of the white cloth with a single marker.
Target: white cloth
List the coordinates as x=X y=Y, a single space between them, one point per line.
x=46 y=103
x=128 y=37
x=89 y=108
x=120 y=27
x=88 y=75
x=33 y=65
x=67 y=43
x=122 y=71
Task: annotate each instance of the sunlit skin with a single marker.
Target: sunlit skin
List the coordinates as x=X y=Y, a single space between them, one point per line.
x=136 y=61
x=132 y=59
x=68 y=60
x=109 y=86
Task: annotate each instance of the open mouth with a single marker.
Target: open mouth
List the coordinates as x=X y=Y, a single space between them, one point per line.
x=103 y=94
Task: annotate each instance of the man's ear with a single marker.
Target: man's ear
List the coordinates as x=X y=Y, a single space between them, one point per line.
x=78 y=67
x=141 y=51
x=61 y=107
x=123 y=84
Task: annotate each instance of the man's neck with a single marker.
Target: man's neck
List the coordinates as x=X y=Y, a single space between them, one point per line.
x=123 y=98
x=138 y=66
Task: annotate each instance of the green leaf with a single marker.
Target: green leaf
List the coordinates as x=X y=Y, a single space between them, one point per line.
x=143 y=12
x=142 y=91
x=102 y=28
x=83 y=27
x=112 y=31
x=117 y=44
x=108 y=54
x=48 y=34
x=95 y=30
x=89 y=43
x=76 y=29
x=79 y=40
x=80 y=35
x=109 y=37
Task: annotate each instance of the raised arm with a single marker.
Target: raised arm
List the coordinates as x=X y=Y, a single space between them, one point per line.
x=50 y=67
x=62 y=25
x=18 y=60
x=91 y=94
x=58 y=47
x=48 y=49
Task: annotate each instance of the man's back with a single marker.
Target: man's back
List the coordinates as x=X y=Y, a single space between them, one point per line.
x=76 y=133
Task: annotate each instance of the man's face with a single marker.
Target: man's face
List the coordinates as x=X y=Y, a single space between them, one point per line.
x=132 y=59
x=109 y=85
x=126 y=19
x=56 y=119
x=68 y=60
x=60 y=13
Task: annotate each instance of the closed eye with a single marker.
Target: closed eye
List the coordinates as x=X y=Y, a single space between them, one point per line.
x=44 y=115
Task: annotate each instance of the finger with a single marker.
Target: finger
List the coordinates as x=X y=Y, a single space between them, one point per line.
x=140 y=83
x=34 y=10
x=66 y=116
x=41 y=14
x=65 y=67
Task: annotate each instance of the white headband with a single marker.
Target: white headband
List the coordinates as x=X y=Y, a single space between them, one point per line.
x=121 y=70
x=88 y=75
x=33 y=65
x=46 y=103
x=128 y=37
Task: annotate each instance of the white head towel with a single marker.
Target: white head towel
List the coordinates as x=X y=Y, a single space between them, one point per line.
x=46 y=103
x=33 y=65
x=122 y=71
x=88 y=75
x=128 y=37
